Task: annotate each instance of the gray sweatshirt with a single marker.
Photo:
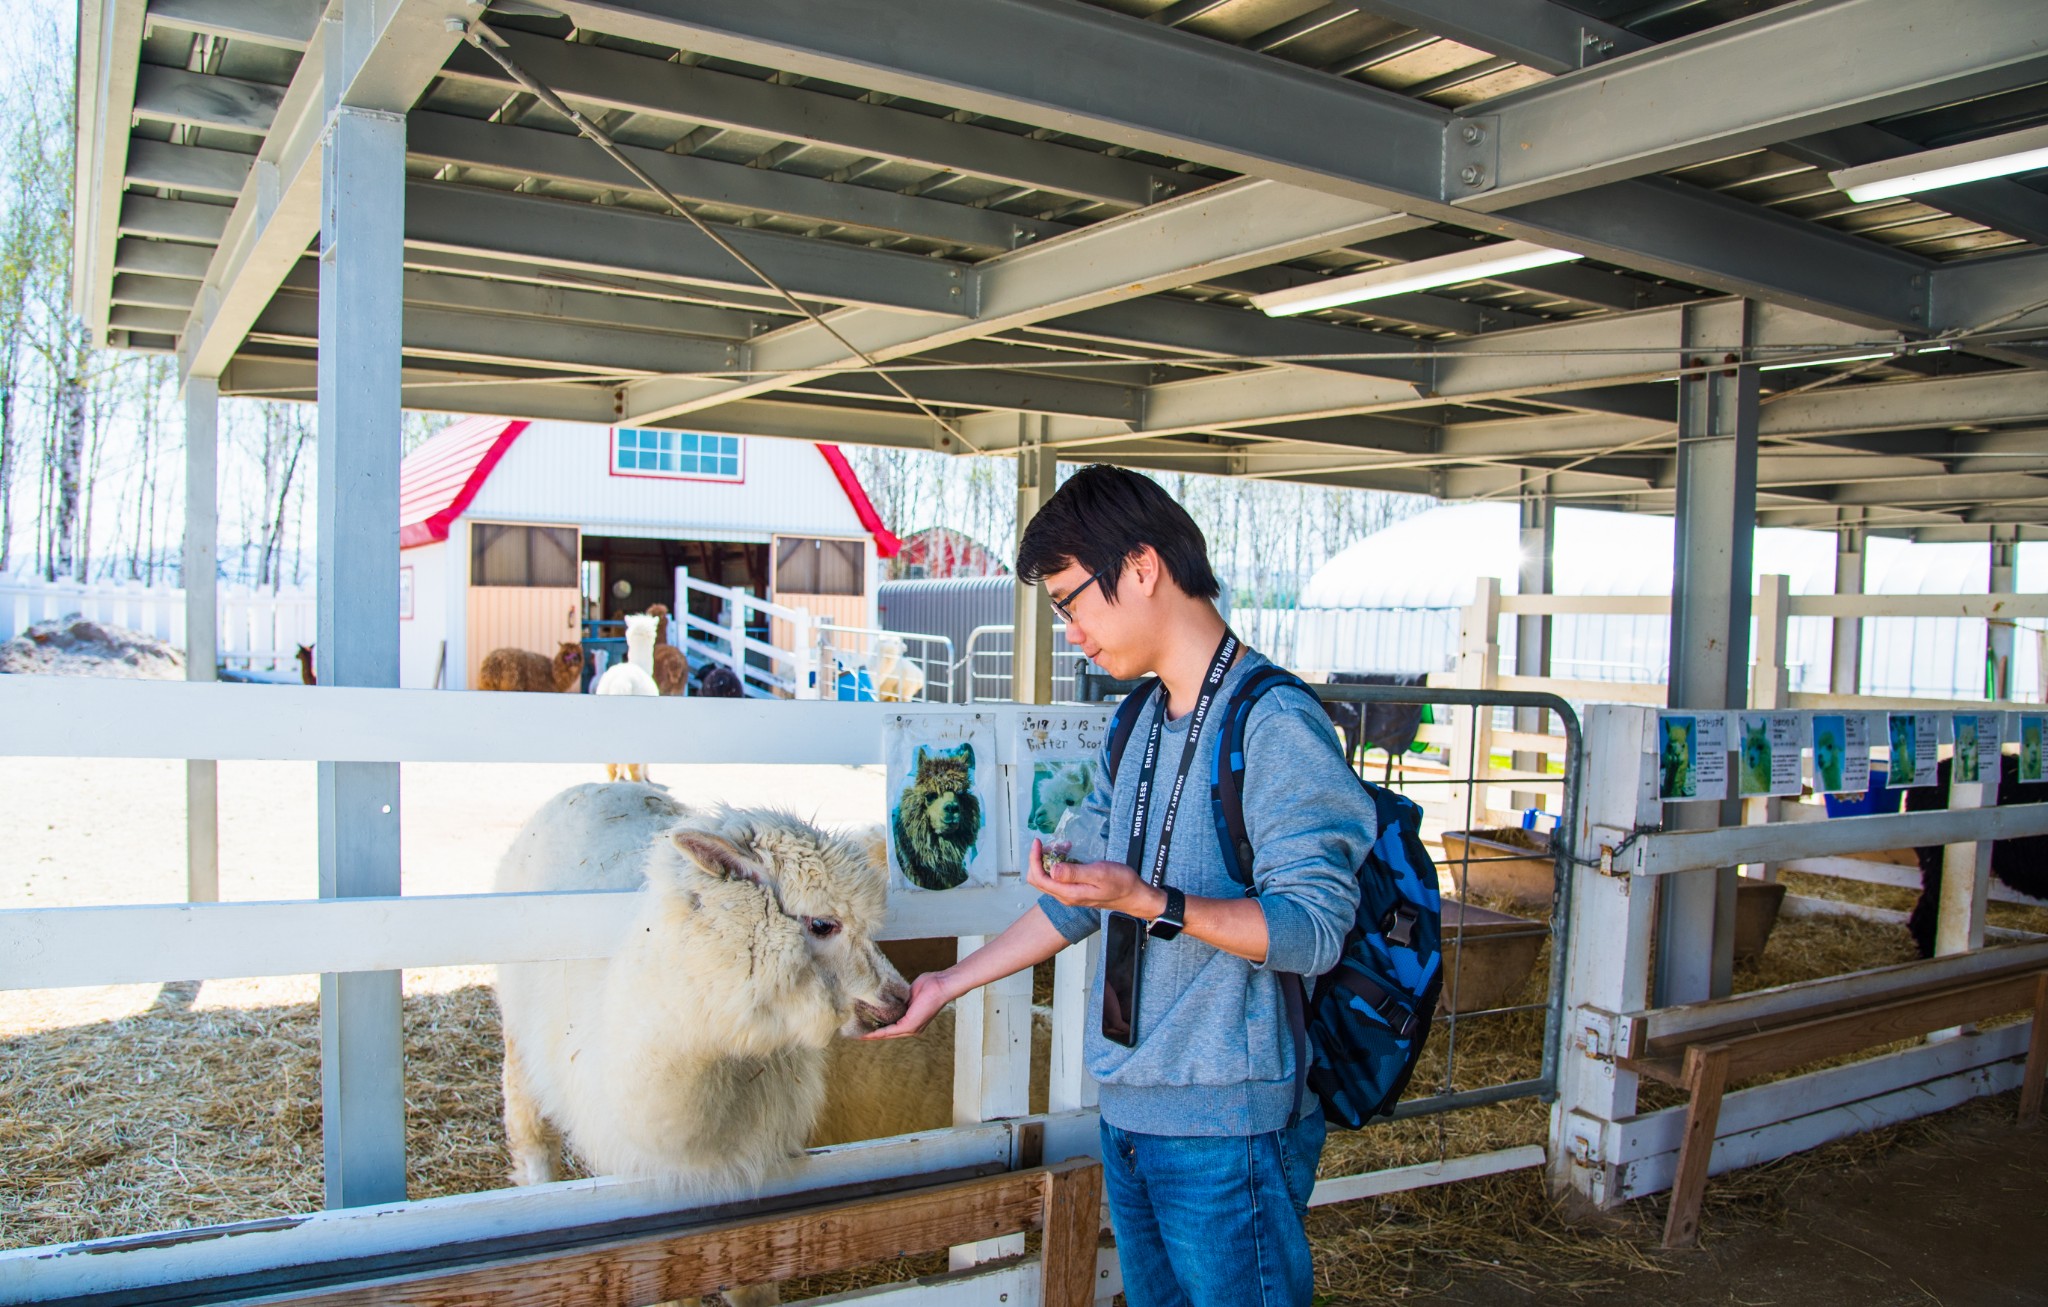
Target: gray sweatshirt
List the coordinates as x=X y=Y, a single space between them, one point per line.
x=1214 y=1056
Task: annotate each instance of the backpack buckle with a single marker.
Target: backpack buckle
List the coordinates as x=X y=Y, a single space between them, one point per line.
x=1399 y=924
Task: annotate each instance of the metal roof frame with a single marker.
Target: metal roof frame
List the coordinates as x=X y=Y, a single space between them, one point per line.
x=1058 y=208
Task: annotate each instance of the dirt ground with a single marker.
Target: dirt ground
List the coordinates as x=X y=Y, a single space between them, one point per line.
x=1950 y=1214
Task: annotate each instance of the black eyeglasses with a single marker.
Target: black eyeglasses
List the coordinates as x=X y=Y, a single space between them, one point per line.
x=1061 y=606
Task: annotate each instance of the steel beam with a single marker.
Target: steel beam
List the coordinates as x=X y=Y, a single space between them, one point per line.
x=202 y=618
x=1800 y=68
x=162 y=258
x=1031 y=635
x=614 y=79
x=1643 y=346
x=188 y=99
x=560 y=156
x=1224 y=229
x=2009 y=292
x=446 y=389
x=1535 y=576
x=459 y=336
x=177 y=220
x=188 y=168
x=571 y=234
x=378 y=58
x=284 y=24
x=1218 y=331
x=1056 y=65
x=109 y=56
x=361 y=1057
x=1029 y=392
x=1710 y=599
x=1535 y=33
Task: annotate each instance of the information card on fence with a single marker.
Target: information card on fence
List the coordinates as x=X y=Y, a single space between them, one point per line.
x=1977 y=742
x=1841 y=753
x=1769 y=752
x=2031 y=730
x=1693 y=756
x=1914 y=742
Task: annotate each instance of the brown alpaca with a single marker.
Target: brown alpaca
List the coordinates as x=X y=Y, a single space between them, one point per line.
x=671 y=668
x=517 y=669
x=305 y=656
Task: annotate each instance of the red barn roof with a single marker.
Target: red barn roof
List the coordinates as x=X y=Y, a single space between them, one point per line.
x=438 y=481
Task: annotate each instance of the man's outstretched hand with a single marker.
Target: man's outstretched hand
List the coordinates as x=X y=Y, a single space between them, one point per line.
x=1109 y=885
x=929 y=993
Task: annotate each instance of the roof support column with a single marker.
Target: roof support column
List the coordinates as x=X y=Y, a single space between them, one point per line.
x=362 y=192
x=1845 y=669
x=1710 y=602
x=1532 y=630
x=2005 y=549
x=202 y=637
x=1037 y=478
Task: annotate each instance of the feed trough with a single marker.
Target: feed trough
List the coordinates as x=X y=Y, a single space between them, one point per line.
x=1500 y=863
x=1498 y=952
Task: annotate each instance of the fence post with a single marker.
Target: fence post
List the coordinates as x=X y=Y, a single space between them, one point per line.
x=202 y=642
x=991 y=1073
x=1471 y=748
x=736 y=635
x=808 y=658
x=1607 y=960
x=1770 y=687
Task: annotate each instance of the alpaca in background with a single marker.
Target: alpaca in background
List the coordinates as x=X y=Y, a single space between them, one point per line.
x=517 y=669
x=635 y=676
x=671 y=668
x=305 y=657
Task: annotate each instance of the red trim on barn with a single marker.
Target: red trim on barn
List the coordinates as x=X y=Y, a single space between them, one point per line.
x=886 y=543
x=440 y=479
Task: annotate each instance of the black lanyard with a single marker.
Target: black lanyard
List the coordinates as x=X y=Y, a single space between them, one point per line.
x=1142 y=807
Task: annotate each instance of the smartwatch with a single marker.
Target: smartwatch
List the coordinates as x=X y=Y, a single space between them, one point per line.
x=1170 y=920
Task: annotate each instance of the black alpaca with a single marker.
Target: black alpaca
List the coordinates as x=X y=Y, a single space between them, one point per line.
x=2022 y=864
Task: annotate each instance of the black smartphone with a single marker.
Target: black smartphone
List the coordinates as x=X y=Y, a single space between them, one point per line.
x=1123 y=958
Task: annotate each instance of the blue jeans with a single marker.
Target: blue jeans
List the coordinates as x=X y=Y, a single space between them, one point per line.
x=1213 y=1221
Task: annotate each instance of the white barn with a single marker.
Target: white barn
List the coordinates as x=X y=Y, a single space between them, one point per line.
x=514 y=533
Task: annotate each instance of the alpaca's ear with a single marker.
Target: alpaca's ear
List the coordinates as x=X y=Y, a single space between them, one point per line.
x=718 y=856
x=967 y=755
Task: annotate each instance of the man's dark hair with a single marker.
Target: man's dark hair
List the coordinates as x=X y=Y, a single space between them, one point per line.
x=1105 y=514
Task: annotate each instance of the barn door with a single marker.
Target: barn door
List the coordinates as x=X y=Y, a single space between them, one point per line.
x=524 y=589
x=824 y=575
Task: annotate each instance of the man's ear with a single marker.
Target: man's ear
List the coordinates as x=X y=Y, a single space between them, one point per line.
x=718 y=856
x=1146 y=569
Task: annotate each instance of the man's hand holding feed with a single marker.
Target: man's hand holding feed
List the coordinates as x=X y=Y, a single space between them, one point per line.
x=1110 y=885
x=929 y=993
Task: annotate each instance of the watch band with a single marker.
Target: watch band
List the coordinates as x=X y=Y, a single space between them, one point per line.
x=1170 y=921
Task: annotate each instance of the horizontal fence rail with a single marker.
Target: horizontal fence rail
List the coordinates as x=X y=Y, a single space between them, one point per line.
x=51 y=948
x=1663 y=853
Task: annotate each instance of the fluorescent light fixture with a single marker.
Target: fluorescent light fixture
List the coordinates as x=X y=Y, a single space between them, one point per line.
x=1827 y=362
x=1401 y=278
x=1951 y=165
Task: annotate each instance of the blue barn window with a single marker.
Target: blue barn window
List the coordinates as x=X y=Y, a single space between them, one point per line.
x=698 y=456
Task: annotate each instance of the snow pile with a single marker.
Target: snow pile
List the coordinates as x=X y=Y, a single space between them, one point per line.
x=78 y=647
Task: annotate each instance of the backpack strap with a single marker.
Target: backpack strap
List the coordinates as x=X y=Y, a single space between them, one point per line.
x=1226 y=791
x=1125 y=721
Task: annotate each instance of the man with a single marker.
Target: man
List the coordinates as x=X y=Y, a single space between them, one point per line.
x=1209 y=1143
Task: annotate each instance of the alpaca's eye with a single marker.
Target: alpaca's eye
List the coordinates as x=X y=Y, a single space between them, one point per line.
x=823 y=927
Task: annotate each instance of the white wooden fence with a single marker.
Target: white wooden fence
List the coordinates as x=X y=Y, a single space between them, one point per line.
x=260 y=630
x=1607 y=1149
x=43 y=948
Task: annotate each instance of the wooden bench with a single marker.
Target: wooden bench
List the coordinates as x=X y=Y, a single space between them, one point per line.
x=1703 y=1060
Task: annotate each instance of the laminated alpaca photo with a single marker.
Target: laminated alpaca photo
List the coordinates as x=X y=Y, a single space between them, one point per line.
x=945 y=802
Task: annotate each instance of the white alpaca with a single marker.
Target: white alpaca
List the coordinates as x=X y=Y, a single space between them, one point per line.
x=697 y=1053
x=634 y=676
x=897 y=679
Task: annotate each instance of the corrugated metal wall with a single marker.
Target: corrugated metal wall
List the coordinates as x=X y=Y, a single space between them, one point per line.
x=954 y=609
x=534 y=618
